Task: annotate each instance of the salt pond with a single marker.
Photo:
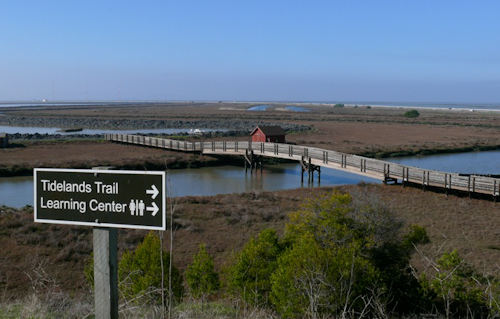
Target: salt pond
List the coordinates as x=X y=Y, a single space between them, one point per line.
x=53 y=130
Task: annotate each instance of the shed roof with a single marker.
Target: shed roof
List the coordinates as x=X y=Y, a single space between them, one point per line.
x=270 y=130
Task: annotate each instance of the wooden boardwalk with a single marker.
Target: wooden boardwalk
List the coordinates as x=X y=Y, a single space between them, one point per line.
x=312 y=158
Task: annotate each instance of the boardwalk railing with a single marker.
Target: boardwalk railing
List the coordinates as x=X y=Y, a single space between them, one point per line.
x=374 y=168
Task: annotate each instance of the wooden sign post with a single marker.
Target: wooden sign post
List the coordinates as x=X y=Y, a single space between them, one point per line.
x=104 y=199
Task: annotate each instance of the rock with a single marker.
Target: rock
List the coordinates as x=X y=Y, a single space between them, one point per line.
x=236 y=128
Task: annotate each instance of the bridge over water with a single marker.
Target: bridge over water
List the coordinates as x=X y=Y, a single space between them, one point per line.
x=312 y=159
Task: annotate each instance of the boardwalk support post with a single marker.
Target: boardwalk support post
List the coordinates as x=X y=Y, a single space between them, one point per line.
x=249 y=160
x=446 y=184
x=425 y=180
x=310 y=172
x=302 y=169
x=387 y=178
x=495 y=192
x=406 y=173
x=310 y=168
x=253 y=161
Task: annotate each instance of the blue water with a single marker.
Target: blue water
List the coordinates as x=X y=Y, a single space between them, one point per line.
x=264 y=107
x=207 y=181
x=259 y=108
x=53 y=130
x=297 y=109
x=463 y=163
x=439 y=105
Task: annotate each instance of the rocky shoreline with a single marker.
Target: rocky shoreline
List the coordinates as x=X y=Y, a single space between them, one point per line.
x=234 y=125
x=229 y=127
x=57 y=136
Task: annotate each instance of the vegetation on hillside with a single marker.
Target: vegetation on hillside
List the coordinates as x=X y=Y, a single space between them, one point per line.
x=201 y=276
x=337 y=253
x=341 y=254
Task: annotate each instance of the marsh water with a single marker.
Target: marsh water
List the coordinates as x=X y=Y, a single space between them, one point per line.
x=264 y=107
x=54 y=130
x=18 y=191
x=486 y=162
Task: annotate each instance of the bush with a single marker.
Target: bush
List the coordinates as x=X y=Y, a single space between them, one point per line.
x=458 y=290
x=315 y=281
x=411 y=114
x=201 y=276
x=140 y=273
x=339 y=254
x=339 y=105
x=345 y=250
x=249 y=275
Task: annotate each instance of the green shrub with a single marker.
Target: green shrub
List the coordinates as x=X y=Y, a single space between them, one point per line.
x=249 y=274
x=140 y=273
x=201 y=276
x=312 y=280
x=343 y=250
x=458 y=290
x=339 y=105
x=339 y=254
x=411 y=114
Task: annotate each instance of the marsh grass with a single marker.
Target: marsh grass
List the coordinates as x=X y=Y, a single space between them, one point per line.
x=54 y=256
x=36 y=306
x=46 y=306
x=64 y=307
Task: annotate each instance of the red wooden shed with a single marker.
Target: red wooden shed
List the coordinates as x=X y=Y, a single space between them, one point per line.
x=273 y=134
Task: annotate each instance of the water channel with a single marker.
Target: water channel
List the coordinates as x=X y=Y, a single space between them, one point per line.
x=18 y=191
x=261 y=108
x=486 y=162
x=207 y=181
x=54 y=130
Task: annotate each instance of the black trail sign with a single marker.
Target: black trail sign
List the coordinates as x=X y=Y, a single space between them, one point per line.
x=105 y=198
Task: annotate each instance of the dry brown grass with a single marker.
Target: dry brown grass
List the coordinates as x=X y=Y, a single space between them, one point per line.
x=226 y=222
x=88 y=154
x=351 y=130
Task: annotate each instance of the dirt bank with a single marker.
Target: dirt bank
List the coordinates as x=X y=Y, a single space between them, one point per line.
x=22 y=158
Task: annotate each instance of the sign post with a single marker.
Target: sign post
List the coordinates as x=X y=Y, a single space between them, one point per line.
x=107 y=200
x=105 y=242
x=105 y=273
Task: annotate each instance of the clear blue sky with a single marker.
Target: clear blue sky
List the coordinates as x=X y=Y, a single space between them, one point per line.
x=426 y=50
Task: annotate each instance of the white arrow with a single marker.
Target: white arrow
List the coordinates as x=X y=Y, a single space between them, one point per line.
x=153 y=192
x=153 y=209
